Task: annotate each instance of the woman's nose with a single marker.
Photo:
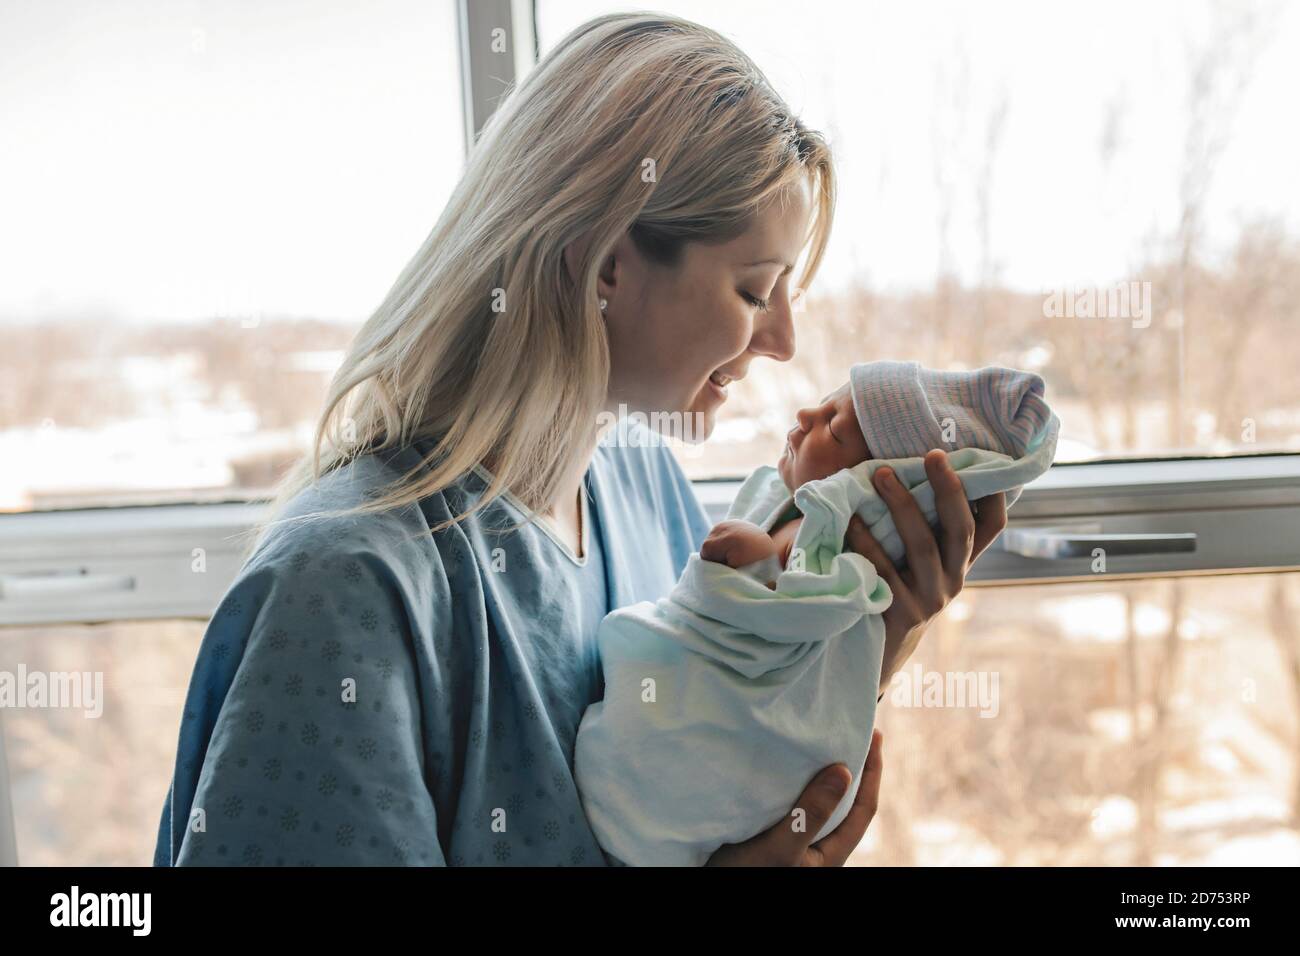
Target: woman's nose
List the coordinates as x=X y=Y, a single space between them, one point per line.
x=774 y=332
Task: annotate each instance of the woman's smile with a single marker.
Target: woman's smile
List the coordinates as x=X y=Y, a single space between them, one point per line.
x=719 y=381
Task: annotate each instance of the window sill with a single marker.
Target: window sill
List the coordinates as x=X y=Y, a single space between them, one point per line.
x=176 y=561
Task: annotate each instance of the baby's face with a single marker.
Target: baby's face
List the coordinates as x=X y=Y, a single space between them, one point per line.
x=826 y=439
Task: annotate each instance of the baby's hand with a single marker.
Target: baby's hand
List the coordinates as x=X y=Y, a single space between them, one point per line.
x=737 y=543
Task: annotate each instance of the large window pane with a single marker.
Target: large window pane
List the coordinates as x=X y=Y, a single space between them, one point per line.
x=998 y=160
x=201 y=203
x=89 y=777
x=1139 y=723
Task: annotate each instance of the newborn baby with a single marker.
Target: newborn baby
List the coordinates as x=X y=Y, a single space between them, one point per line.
x=908 y=410
x=825 y=440
x=762 y=666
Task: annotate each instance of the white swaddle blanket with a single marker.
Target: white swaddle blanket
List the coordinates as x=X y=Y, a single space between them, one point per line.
x=725 y=698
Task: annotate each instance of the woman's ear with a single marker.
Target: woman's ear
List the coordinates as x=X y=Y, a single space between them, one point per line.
x=605 y=280
x=607 y=274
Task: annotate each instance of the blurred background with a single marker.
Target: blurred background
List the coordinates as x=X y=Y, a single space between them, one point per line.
x=203 y=201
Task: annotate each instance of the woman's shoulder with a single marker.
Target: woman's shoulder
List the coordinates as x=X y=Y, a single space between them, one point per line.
x=320 y=527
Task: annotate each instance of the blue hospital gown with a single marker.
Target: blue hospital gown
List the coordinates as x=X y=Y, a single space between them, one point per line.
x=470 y=655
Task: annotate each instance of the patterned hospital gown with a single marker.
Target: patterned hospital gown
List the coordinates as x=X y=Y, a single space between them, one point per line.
x=369 y=694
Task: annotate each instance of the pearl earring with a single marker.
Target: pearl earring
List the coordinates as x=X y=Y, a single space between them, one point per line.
x=603 y=303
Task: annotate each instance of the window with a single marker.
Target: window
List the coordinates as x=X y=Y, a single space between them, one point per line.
x=88 y=781
x=201 y=207
x=1111 y=724
x=1008 y=169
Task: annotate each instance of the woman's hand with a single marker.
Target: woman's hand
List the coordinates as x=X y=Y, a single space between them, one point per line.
x=936 y=570
x=936 y=565
x=786 y=844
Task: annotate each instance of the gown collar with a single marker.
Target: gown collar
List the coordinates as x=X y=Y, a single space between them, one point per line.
x=545 y=523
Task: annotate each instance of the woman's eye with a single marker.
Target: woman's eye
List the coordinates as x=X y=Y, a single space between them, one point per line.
x=755 y=301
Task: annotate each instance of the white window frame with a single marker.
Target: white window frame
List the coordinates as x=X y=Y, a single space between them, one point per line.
x=176 y=561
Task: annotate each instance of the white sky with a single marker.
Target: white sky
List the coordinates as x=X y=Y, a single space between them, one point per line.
x=169 y=159
x=175 y=159
x=880 y=78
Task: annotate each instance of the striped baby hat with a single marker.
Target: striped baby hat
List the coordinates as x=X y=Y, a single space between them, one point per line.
x=905 y=410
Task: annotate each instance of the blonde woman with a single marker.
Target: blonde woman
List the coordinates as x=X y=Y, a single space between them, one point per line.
x=398 y=672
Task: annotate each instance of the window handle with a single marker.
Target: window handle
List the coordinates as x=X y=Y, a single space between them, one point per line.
x=51 y=585
x=1058 y=544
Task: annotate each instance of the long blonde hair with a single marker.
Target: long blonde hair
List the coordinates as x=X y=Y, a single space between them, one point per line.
x=485 y=343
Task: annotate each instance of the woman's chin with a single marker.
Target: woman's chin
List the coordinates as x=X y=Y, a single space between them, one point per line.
x=698 y=426
x=698 y=421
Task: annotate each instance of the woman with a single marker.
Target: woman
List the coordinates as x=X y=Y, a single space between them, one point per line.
x=398 y=672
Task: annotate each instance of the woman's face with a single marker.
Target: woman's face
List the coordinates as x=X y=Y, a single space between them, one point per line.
x=678 y=336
